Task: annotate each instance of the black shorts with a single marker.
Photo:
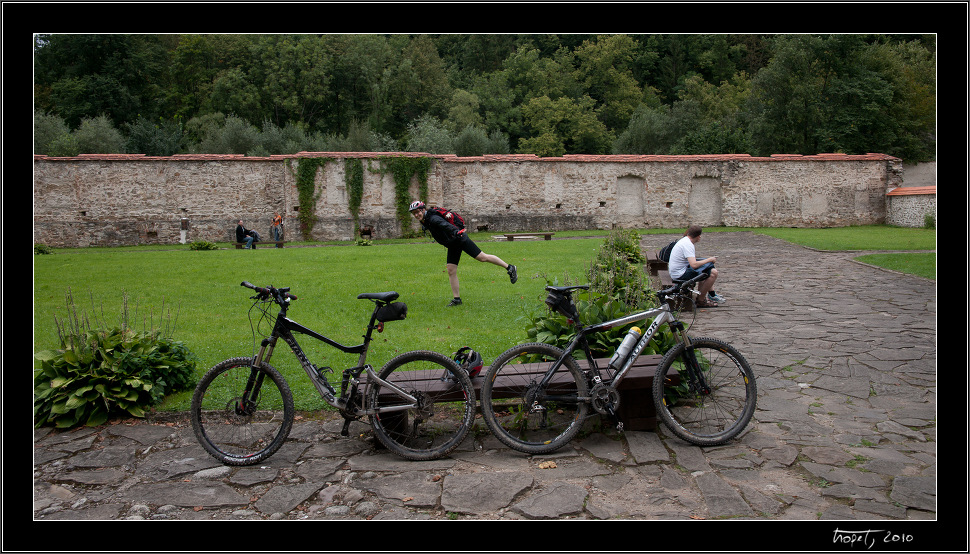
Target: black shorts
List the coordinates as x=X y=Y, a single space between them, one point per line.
x=464 y=244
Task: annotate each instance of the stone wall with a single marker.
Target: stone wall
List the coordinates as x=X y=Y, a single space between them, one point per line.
x=130 y=199
x=909 y=206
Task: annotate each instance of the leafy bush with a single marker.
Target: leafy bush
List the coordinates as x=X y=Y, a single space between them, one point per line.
x=617 y=270
x=618 y=287
x=48 y=128
x=202 y=245
x=98 y=373
x=98 y=136
x=553 y=328
x=43 y=249
x=164 y=138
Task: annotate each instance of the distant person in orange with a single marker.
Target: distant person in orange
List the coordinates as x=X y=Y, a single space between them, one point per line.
x=277 y=228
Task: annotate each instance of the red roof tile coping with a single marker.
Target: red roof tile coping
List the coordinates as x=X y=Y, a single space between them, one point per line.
x=907 y=191
x=613 y=158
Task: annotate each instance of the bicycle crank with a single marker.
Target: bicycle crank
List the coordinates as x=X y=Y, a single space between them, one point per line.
x=605 y=399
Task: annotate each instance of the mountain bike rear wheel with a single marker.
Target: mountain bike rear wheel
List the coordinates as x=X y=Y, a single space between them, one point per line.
x=712 y=417
x=526 y=416
x=440 y=419
x=241 y=416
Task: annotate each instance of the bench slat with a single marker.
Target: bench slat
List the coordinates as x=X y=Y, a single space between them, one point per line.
x=636 y=391
x=239 y=245
x=511 y=236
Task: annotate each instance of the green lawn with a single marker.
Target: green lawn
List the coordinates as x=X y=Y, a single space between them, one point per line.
x=202 y=289
x=867 y=237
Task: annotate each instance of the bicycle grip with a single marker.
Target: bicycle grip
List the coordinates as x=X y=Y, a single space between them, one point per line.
x=259 y=290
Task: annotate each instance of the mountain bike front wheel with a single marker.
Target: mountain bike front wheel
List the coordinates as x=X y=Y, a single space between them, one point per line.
x=241 y=415
x=525 y=415
x=440 y=417
x=705 y=417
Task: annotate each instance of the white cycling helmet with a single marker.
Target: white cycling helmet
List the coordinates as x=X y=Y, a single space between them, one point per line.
x=416 y=205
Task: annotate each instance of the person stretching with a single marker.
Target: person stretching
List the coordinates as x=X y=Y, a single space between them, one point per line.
x=456 y=241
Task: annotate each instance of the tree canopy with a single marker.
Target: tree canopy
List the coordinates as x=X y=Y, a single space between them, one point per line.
x=543 y=94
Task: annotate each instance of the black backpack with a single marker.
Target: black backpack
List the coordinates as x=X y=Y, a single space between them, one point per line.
x=664 y=253
x=450 y=216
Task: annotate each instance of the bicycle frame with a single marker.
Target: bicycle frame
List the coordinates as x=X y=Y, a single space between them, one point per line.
x=285 y=327
x=661 y=315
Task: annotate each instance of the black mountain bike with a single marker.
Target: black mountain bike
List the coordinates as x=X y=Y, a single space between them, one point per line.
x=421 y=405
x=535 y=398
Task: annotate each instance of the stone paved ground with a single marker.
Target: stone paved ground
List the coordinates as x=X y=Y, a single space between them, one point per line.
x=846 y=429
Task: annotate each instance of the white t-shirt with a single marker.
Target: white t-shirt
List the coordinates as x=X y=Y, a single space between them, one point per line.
x=678 y=257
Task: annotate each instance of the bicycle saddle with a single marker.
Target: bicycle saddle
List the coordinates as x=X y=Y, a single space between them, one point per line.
x=566 y=289
x=379 y=296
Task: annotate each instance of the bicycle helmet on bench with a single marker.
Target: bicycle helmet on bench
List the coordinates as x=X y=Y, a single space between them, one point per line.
x=468 y=360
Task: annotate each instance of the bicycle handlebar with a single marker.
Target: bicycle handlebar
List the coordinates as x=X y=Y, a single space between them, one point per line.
x=680 y=286
x=280 y=295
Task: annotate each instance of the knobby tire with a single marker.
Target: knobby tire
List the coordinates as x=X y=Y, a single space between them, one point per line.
x=525 y=417
x=705 y=419
x=235 y=435
x=446 y=408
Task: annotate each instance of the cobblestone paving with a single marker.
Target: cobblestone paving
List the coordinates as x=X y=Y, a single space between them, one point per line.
x=845 y=429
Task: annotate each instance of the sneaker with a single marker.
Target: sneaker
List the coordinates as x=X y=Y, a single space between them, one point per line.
x=454 y=302
x=715 y=297
x=513 y=276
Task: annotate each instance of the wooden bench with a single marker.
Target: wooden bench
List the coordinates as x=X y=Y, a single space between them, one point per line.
x=512 y=236
x=655 y=264
x=279 y=243
x=636 y=411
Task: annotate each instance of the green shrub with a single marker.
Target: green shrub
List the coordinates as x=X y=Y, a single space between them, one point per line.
x=617 y=270
x=43 y=249
x=98 y=373
x=203 y=245
x=618 y=286
x=553 y=328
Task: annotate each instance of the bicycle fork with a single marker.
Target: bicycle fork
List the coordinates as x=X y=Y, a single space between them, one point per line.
x=247 y=402
x=694 y=372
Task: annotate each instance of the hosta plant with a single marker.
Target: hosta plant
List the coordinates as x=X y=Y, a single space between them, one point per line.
x=105 y=373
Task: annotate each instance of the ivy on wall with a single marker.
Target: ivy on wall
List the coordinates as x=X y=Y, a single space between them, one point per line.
x=306 y=174
x=354 y=178
x=402 y=169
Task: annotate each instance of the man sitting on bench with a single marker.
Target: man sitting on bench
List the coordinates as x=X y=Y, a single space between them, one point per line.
x=245 y=235
x=684 y=265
